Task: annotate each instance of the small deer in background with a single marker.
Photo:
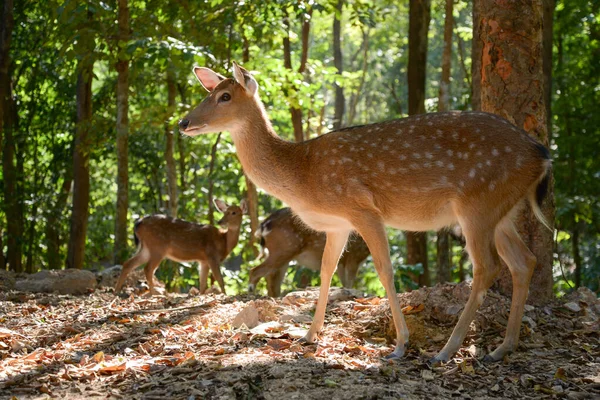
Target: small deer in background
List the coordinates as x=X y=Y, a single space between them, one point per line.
x=419 y=173
x=159 y=237
x=286 y=238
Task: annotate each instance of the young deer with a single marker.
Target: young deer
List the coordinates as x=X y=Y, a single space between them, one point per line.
x=286 y=238
x=159 y=237
x=419 y=173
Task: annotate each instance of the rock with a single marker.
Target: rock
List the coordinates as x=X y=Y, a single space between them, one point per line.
x=453 y=309
x=108 y=277
x=7 y=281
x=572 y=306
x=529 y=321
x=68 y=281
x=312 y=294
x=529 y=307
x=248 y=316
x=277 y=372
x=585 y=295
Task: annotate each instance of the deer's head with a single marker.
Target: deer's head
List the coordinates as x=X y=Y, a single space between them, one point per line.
x=226 y=104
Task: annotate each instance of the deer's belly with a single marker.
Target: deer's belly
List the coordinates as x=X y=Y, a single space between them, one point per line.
x=324 y=222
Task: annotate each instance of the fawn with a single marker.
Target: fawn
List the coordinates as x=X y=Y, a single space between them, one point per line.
x=159 y=237
x=419 y=173
x=286 y=238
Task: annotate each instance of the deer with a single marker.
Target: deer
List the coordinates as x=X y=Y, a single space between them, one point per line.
x=286 y=238
x=158 y=237
x=420 y=173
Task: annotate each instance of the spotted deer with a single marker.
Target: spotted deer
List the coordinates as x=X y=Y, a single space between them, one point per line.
x=424 y=172
x=285 y=239
x=159 y=237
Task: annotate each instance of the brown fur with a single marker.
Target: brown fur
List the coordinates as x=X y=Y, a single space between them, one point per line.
x=287 y=239
x=163 y=237
x=418 y=173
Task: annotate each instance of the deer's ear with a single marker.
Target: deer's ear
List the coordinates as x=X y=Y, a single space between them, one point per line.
x=221 y=205
x=208 y=78
x=244 y=206
x=245 y=79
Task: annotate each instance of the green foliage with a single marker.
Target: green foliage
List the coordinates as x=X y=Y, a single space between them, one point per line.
x=50 y=39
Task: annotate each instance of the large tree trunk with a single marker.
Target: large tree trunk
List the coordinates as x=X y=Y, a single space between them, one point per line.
x=81 y=170
x=7 y=142
x=420 y=15
x=339 y=65
x=443 y=243
x=511 y=84
x=120 y=249
x=170 y=144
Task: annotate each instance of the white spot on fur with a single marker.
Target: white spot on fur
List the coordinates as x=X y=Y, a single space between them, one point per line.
x=381 y=165
x=414 y=166
x=428 y=155
x=406 y=145
x=479 y=153
x=479 y=165
x=495 y=152
x=471 y=146
x=472 y=173
x=507 y=149
x=402 y=157
x=461 y=183
x=416 y=155
x=488 y=163
x=449 y=152
x=451 y=166
x=492 y=186
x=439 y=163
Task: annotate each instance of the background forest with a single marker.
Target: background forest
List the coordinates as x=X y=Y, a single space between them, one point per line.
x=92 y=91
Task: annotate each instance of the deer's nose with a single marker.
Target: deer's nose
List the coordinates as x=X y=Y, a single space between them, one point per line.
x=184 y=123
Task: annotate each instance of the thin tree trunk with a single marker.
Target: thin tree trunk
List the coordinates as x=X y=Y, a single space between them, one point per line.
x=171 y=168
x=211 y=180
x=339 y=65
x=182 y=151
x=512 y=85
x=576 y=254
x=81 y=171
x=251 y=190
x=420 y=15
x=476 y=55
x=356 y=96
x=34 y=211
x=120 y=249
x=442 y=244
x=53 y=223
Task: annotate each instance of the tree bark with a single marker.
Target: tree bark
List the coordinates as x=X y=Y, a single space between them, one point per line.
x=7 y=142
x=211 y=180
x=420 y=15
x=339 y=65
x=171 y=167
x=81 y=170
x=511 y=84
x=122 y=128
x=442 y=244
x=53 y=222
x=576 y=254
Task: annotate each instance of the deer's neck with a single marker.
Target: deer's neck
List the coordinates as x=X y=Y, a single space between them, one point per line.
x=232 y=236
x=271 y=162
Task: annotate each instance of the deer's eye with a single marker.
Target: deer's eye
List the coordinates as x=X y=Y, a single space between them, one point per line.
x=225 y=97
x=233 y=213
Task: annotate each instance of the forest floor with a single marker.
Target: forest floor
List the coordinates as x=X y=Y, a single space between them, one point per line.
x=185 y=347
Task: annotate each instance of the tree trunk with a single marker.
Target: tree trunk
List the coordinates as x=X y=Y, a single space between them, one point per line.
x=511 y=84
x=171 y=168
x=296 y=112
x=339 y=65
x=211 y=180
x=251 y=190
x=420 y=15
x=81 y=170
x=443 y=247
x=576 y=254
x=54 y=216
x=7 y=142
x=120 y=250
x=356 y=96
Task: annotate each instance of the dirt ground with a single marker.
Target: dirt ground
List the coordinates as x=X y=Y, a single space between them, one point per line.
x=185 y=347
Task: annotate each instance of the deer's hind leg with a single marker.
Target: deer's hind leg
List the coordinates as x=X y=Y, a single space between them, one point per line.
x=486 y=265
x=521 y=262
x=149 y=271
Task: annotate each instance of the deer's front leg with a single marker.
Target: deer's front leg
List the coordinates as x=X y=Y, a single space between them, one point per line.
x=333 y=250
x=373 y=232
